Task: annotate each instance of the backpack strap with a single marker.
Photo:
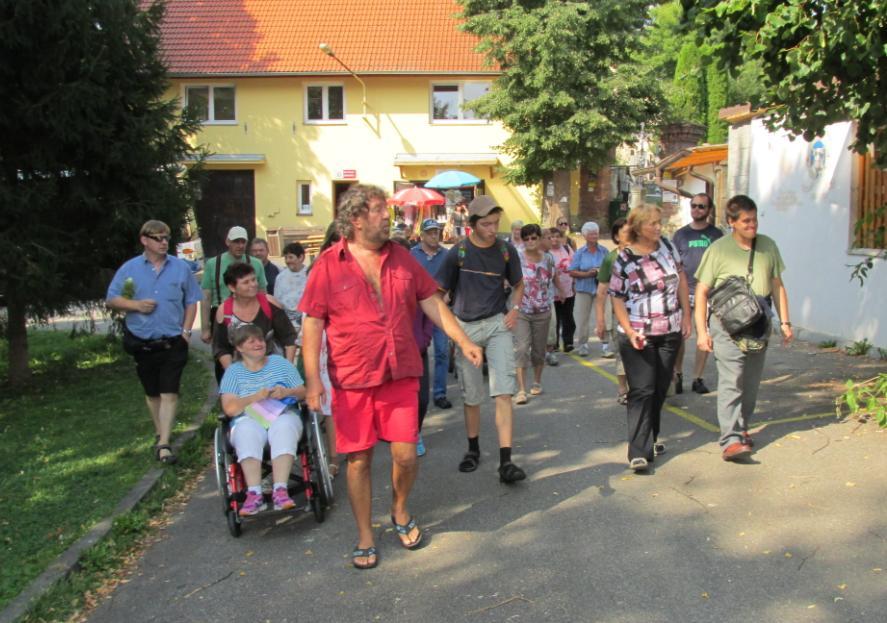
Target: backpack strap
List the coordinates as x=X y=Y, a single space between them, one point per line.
x=227 y=310
x=264 y=303
x=216 y=285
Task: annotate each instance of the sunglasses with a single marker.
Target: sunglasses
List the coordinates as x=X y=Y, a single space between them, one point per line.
x=157 y=238
x=699 y=206
x=563 y=224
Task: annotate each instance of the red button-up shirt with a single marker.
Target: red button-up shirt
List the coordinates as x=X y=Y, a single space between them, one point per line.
x=370 y=342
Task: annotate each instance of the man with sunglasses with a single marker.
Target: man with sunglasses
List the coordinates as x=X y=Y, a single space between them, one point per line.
x=692 y=241
x=159 y=295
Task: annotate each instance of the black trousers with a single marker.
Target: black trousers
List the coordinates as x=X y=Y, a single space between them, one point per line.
x=424 y=388
x=566 y=326
x=649 y=374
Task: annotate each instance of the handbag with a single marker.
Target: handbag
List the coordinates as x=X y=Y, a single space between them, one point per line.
x=734 y=303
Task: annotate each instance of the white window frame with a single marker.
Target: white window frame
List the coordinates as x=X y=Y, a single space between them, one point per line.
x=212 y=103
x=303 y=209
x=325 y=103
x=461 y=85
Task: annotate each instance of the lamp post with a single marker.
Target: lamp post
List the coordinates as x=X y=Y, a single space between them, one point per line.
x=328 y=50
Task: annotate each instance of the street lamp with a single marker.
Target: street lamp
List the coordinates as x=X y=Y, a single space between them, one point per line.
x=328 y=50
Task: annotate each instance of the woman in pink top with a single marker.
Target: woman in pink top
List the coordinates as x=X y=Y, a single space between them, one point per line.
x=565 y=292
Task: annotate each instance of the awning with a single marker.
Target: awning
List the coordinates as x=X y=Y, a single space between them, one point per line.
x=432 y=159
x=699 y=156
x=237 y=159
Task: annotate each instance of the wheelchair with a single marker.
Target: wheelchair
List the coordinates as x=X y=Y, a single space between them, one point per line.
x=310 y=474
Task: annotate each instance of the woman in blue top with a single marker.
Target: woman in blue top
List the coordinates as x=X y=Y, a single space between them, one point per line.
x=584 y=268
x=255 y=377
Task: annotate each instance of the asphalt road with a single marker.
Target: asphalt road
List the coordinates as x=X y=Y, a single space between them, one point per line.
x=799 y=534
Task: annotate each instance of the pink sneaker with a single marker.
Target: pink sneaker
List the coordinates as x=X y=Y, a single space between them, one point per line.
x=254 y=503
x=282 y=500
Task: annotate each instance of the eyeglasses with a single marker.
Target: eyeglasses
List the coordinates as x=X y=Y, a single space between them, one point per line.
x=562 y=224
x=699 y=206
x=157 y=238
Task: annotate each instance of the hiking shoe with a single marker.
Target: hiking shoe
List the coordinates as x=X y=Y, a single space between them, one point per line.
x=443 y=403
x=736 y=452
x=420 y=447
x=608 y=354
x=699 y=386
x=582 y=351
x=509 y=473
x=282 y=499
x=255 y=503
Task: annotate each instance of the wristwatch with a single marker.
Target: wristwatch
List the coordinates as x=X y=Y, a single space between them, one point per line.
x=186 y=332
x=515 y=308
x=786 y=324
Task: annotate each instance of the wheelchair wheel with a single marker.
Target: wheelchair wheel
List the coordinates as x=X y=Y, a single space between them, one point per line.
x=317 y=505
x=321 y=464
x=234 y=523
x=221 y=471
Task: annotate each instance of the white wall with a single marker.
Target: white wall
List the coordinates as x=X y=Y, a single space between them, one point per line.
x=809 y=216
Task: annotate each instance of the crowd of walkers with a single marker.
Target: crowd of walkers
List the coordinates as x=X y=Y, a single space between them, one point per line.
x=352 y=333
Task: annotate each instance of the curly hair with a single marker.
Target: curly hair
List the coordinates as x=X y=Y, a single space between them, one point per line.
x=646 y=213
x=355 y=203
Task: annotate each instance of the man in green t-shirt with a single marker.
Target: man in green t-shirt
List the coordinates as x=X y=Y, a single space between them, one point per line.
x=739 y=373
x=214 y=289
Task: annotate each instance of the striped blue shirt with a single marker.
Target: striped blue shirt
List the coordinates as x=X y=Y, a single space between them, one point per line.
x=242 y=382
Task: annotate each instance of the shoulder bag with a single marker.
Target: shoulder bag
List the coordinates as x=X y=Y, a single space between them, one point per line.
x=734 y=303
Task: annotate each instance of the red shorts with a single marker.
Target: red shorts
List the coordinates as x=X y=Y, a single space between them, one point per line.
x=389 y=412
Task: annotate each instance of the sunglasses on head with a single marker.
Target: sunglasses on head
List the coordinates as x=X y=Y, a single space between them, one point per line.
x=157 y=238
x=700 y=206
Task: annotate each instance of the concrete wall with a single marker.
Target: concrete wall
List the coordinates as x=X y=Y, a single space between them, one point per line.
x=809 y=214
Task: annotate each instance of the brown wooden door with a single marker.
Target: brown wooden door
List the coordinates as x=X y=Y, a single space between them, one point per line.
x=227 y=199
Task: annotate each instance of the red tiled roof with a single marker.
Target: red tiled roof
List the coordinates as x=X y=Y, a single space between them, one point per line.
x=237 y=37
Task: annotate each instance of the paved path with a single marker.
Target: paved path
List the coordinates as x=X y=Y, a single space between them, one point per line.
x=798 y=535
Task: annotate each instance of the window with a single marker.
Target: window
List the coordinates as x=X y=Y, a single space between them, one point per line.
x=870 y=229
x=324 y=103
x=211 y=104
x=448 y=101
x=303 y=198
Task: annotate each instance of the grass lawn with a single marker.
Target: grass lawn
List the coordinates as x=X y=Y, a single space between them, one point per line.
x=72 y=445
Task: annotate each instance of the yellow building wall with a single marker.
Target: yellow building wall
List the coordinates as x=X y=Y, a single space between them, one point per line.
x=270 y=121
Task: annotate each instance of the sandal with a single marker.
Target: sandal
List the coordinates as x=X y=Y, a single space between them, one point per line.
x=639 y=464
x=405 y=529
x=364 y=553
x=520 y=398
x=623 y=398
x=334 y=470
x=169 y=459
x=536 y=389
x=469 y=462
x=510 y=473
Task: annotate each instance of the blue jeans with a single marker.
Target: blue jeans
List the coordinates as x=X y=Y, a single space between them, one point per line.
x=441 y=362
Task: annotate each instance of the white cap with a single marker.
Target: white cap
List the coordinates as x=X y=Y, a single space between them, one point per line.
x=237 y=233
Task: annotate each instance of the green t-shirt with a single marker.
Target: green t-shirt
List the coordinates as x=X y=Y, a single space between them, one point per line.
x=209 y=274
x=603 y=273
x=725 y=258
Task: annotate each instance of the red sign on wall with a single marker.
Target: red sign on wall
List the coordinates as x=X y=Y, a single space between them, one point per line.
x=349 y=174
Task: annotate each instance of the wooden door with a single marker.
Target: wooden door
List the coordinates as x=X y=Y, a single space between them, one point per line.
x=227 y=199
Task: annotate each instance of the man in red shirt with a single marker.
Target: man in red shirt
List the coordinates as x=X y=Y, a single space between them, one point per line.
x=364 y=291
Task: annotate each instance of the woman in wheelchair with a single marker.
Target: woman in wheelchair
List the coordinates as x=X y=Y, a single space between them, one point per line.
x=255 y=377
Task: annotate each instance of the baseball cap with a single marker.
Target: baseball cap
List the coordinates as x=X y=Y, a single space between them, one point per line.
x=430 y=223
x=237 y=233
x=482 y=205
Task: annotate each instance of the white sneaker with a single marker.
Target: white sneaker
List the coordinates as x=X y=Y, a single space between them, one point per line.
x=582 y=351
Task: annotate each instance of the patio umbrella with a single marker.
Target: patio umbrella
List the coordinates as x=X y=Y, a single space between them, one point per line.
x=419 y=196
x=452 y=179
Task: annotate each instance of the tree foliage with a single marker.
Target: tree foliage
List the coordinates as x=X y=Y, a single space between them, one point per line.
x=716 y=90
x=821 y=61
x=89 y=150
x=570 y=90
x=687 y=96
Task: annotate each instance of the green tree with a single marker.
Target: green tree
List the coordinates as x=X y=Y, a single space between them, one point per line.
x=89 y=149
x=570 y=90
x=687 y=96
x=822 y=61
x=716 y=86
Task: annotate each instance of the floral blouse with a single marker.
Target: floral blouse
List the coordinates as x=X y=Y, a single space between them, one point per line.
x=649 y=286
x=538 y=281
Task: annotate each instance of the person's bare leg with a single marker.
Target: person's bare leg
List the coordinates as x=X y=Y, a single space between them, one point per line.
x=153 y=403
x=504 y=419
x=623 y=383
x=281 y=467
x=252 y=472
x=519 y=374
x=360 y=495
x=472 y=419
x=699 y=364
x=165 y=417
x=537 y=373
x=404 y=469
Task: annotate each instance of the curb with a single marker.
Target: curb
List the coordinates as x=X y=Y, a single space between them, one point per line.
x=69 y=560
